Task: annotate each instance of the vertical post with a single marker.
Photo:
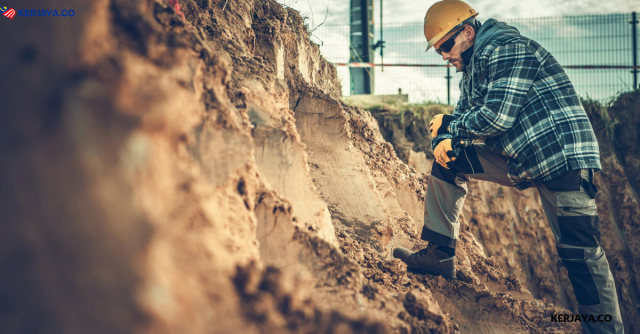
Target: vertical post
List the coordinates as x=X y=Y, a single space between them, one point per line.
x=634 y=37
x=361 y=41
x=370 y=42
x=381 y=39
x=448 y=77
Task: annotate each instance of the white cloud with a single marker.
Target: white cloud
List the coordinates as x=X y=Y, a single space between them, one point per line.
x=411 y=11
x=401 y=11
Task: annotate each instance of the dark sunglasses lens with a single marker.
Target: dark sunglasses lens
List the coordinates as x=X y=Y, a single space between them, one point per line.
x=448 y=44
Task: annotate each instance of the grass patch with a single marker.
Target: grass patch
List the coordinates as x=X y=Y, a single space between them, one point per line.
x=601 y=120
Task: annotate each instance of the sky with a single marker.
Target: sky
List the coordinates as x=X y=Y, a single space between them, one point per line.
x=429 y=84
x=414 y=11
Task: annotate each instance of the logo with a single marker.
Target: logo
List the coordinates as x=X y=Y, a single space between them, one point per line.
x=10 y=13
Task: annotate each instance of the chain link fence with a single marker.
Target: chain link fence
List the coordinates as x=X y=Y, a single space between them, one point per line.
x=596 y=51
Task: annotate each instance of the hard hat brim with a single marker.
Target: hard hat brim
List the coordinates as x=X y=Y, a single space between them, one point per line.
x=436 y=39
x=439 y=36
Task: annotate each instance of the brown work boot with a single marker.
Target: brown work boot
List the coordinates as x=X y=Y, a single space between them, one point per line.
x=428 y=261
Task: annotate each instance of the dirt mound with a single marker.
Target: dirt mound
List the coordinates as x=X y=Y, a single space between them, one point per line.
x=199 y=175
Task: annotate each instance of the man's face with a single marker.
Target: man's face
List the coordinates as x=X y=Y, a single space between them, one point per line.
x=464 y=40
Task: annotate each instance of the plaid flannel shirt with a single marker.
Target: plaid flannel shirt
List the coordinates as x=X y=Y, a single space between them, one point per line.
x=518 y=98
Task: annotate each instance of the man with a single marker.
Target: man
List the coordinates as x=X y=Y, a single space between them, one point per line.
x=520 y=102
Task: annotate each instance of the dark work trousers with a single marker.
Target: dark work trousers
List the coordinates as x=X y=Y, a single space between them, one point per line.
x=570 y=207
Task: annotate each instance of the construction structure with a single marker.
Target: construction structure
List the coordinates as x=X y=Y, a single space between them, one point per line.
x=361 y=48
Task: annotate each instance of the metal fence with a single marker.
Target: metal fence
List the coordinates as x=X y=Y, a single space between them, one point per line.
x=597 y=52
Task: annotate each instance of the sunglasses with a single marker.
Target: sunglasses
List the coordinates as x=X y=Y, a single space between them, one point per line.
x=448 y=44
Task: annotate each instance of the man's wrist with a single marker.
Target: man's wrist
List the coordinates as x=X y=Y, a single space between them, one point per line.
x=435 y=141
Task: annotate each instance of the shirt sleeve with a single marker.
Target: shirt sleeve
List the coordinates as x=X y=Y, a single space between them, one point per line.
x=512 y=69
x=439 y=138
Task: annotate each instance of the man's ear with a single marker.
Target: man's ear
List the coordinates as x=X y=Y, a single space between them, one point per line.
x=469 y=33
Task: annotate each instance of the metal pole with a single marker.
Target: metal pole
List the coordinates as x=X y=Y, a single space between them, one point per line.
x=448 y=77
x=382 y=39
x=367 y=54
x=634 y=36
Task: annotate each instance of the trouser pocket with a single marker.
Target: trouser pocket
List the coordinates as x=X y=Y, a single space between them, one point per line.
x=577 y=219
x=575 y=215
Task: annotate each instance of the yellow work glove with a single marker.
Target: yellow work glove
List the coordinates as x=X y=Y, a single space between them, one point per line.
x=439 y=124
x=441 y=153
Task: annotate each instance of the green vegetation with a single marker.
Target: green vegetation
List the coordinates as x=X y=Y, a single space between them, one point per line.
x=424 y=112
x=602 y=122
x=418 y=111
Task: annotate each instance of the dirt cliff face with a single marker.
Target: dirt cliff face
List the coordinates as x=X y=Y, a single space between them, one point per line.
x=196 y=172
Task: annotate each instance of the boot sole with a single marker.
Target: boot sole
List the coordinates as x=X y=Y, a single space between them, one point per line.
x=423 y=271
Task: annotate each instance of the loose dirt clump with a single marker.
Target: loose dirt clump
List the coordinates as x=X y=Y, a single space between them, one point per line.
x=273 y=303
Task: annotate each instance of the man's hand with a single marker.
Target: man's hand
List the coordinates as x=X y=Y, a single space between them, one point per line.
x=439 y=124
x=441 y=153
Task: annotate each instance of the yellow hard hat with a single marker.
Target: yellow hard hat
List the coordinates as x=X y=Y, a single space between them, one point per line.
x=443 y=16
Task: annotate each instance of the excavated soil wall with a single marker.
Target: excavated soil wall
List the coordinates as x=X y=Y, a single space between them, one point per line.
x=188 y=167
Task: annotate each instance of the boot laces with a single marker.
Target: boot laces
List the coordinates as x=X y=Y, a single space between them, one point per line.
x=423 y=251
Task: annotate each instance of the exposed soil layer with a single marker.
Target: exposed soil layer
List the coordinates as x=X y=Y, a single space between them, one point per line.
x=196 y=172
